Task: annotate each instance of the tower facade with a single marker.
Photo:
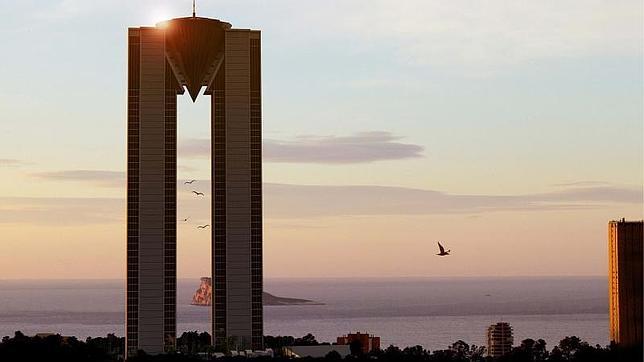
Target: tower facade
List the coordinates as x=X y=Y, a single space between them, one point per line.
x=499 y=339
x=191 y=53
x=625 y=281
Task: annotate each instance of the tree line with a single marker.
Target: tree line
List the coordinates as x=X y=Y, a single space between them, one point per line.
x=195 y=346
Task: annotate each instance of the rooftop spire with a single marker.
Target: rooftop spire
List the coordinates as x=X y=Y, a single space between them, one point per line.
x=194 y=13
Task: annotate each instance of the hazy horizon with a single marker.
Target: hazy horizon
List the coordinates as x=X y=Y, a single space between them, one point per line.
x=432 y=312
x=364 y=278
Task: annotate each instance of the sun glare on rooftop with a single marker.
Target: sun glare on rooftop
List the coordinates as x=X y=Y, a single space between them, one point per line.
x=159 y=17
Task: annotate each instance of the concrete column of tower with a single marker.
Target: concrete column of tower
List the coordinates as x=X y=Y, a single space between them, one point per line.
x=194 y=52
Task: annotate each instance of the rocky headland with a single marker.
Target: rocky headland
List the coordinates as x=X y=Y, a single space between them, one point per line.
x=203 y=296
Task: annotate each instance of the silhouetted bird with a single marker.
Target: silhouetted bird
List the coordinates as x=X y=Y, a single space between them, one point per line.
x=202 y=226
x=442 y=250
x=197 y=193
x=189 y=182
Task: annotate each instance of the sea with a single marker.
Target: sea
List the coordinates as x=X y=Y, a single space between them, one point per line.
x=431 y=312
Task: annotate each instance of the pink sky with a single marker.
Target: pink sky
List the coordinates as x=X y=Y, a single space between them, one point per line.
x=509 y=131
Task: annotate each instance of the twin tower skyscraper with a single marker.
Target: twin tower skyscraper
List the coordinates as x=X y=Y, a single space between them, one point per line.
x=191 y=53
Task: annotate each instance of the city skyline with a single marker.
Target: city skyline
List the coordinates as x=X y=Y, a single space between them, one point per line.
x=415 y=126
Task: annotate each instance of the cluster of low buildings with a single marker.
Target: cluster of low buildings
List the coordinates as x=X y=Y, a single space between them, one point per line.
x=344 y=346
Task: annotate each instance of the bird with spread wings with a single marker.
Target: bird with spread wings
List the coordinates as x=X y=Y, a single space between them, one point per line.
x=442 y=250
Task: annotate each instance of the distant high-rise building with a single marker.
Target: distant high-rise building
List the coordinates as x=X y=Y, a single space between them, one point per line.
x=625 y=281
x=499 y=339
x=192 y=53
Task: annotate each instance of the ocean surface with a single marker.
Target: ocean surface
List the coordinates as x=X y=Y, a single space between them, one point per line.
x=432 y=312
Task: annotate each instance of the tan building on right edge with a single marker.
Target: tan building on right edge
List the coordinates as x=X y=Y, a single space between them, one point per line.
x=625 y=281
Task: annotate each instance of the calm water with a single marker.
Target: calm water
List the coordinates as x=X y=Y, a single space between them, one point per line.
x=430 y=312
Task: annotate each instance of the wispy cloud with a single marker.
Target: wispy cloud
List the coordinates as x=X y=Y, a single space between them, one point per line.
x=10 y=162
x=97 y=177
x=284 y=201
x=581 y=183
x=63 y=211
x=194 y=147
x=357 y=148
x=493 y=35
x=472 y=34
x=292 y=201
x=186 y=168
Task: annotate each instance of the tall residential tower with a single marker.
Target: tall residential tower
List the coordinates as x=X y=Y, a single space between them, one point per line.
x=191 y=53
x=499 y=339
x=625 y=281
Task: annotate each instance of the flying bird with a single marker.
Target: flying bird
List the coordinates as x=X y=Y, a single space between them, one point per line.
x=442 y=250
x=197 y=193
x=203 y=226
x=189 y=182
